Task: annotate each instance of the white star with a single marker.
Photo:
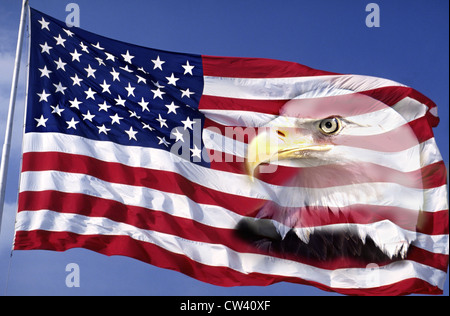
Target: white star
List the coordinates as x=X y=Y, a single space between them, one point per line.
x=43 y=96
x=162 y=140
x=59 y=88
x=105 y=87
x=44 y=24
x=45 y=72
x=130 y=89
x=41 y=121
x=172 y=80
x=161 y=121
x=196 y=152
x=100 y=61
x=98 y=46
x=186 y=93
x=69 y=33
x=75 y=103
x=115 y=74
x=172 y=108
x=60 y=64
x=120 y=101
x=116 y=119
x=133 y=114
x=178 y=136
x=147 y=126
x=76 y=80
x=56 y=110
x=45 y=48
x=127 y=57
x=187 y=68
x=84 y=48
x=157 y=84
x=126 y=69
x=143 y=70
x=143 y=104
x=103 y=129
x=72 y=123
x=90 y=94
x=88 y=116
x=103 y=106
x=75 y=55
x=141 y=79
x=110 y=57
x=157 y=63
x=158 y=93
x=131 y=133
x=188 y=123
x=59 y=40
x=90 y=71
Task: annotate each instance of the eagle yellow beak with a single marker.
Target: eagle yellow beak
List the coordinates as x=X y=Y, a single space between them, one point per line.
x=273 y=145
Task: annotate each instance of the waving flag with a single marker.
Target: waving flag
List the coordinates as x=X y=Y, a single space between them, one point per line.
x=235 y=171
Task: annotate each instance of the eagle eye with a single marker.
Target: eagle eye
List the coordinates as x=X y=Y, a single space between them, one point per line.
x=330 y=126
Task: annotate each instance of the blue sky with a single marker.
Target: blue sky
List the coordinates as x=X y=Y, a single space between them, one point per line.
x=411 y=46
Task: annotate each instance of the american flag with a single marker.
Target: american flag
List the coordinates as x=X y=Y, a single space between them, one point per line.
x=142 y=152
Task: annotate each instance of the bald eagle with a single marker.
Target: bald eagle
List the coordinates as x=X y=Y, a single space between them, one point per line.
x=346 y=168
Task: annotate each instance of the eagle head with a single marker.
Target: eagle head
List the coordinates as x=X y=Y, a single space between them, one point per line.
x=340 y=178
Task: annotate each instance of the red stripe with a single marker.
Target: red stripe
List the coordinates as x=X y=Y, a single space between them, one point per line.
x=326 y=106
x=208 y=102
x=434 y=175
x=148 y=219
x=339 y=105
x=429 y=222
x=154 y=220
x=438 y=261
x=216 y=127
x=175 y=183
x=238 y=67
x=435 y=223
x=151 y=178
x=140 y=217
x=223 y=276
x=431 y=176
x=268 y=68
x=392 y=95
x=422 y=129
x=314 y=108
x=398 y=139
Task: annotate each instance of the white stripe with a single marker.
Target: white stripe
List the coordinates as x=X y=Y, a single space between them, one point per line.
x=239 y=184
x=410 y=109
x=219 y=255
x=170 y=203
x=372 y=123
x=340 y=196
x=241 y=118
x=174 y=204
x=366 y=193
x=140 y=156
x=291 y=88
x=426 y=153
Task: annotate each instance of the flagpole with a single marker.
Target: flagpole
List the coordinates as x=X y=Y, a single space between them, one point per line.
x=12 y=101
